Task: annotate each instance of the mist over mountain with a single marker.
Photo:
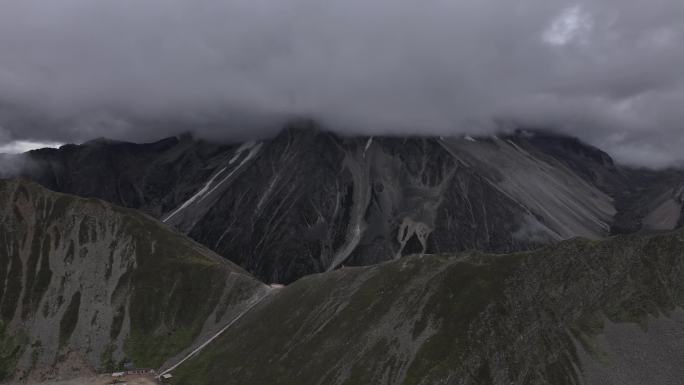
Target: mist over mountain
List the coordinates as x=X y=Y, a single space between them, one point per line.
x=327 y=192
x=309 y=200
x=607 y=72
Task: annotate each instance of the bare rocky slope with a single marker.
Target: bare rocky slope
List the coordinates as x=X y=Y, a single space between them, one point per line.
x=578 y=312
x=309 y=201
x=85 y=285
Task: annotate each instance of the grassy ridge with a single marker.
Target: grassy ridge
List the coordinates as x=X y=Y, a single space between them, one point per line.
x=467 y=319
x=61 y=256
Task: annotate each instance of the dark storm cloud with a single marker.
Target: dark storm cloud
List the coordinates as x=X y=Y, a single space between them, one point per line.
x=609 y=71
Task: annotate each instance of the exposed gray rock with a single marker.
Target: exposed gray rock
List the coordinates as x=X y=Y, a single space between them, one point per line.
x=309 y=201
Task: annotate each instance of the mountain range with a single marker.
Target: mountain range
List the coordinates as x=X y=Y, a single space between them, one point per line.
x=526 y=257
x=309 y=201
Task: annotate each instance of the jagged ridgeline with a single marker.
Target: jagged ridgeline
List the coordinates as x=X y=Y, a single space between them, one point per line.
x=308 y=201
x=579 y=312
x=83 y=282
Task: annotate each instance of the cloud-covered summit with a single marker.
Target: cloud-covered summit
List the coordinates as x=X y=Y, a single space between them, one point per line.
x=608 y=71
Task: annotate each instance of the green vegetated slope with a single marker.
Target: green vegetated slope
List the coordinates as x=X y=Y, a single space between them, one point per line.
x=83 y=279
x=531 y=318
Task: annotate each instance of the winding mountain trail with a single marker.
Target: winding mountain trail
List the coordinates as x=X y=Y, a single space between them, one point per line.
x=217 y=334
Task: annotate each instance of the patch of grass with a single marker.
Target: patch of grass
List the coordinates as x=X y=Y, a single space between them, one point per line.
x=117 y=322
x=322 y=324
x=107 y=362
x=44 y=275
x=36 y=351
x=152 y=350
x=168 y=308
x=461 y=294
x=11 y=348
x=70 y=319
x=174 y=289
x=11 y=296
x=365 y=372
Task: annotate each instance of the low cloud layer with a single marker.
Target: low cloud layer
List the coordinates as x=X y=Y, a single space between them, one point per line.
x=608 y=71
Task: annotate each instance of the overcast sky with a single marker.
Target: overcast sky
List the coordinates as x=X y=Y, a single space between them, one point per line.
x=608 y=71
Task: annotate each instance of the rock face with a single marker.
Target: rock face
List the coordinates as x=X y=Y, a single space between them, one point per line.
x=578 y=312
x=84 y=281
x=309 y=201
